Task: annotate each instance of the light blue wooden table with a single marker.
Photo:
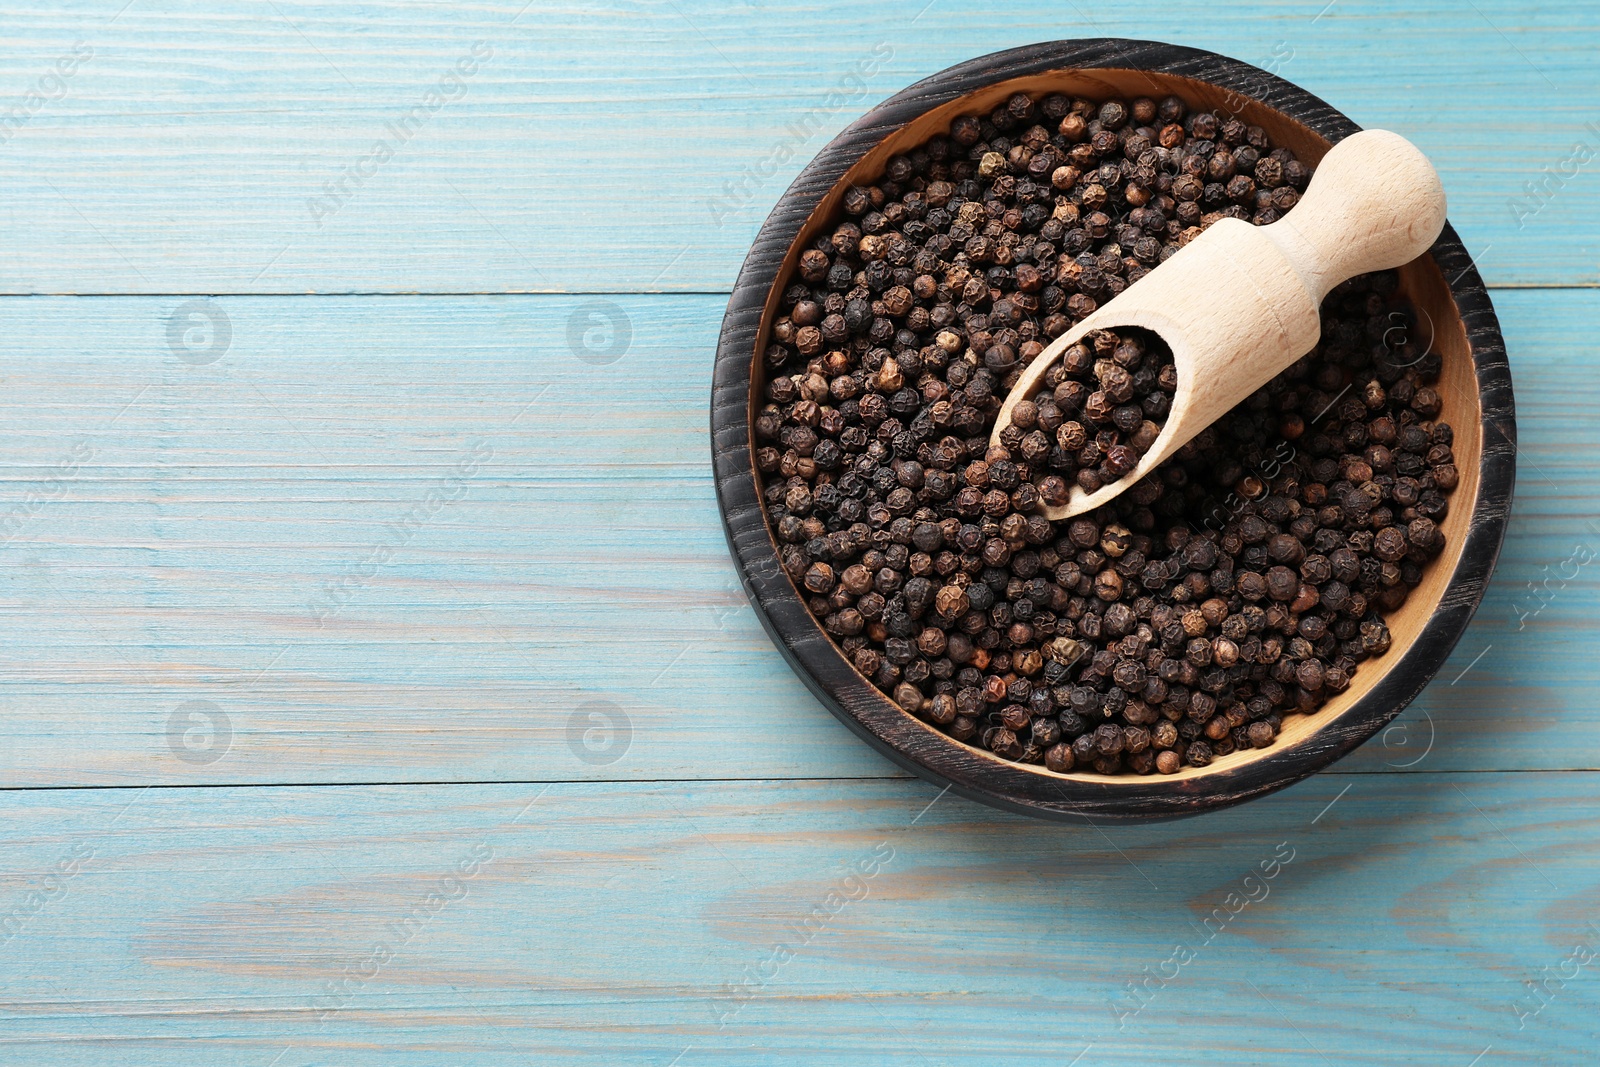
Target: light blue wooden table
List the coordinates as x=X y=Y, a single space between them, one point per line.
x=376 y=689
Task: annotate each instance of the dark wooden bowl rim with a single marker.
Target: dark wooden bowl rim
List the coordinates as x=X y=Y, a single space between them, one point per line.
x=978 y=775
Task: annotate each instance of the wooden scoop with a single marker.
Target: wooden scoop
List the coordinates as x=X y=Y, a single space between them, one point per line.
x=1239 y=304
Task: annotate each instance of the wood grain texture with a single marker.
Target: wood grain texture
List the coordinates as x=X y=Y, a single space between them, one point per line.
x=631 y=924
x=186 y=557
x=174 y=559
x=185 y=155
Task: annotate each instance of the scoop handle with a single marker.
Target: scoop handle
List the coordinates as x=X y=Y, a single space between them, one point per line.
x=1375 y=202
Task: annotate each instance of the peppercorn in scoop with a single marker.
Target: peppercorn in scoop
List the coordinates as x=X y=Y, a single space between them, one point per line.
x=1102 y=408
x=1244 y=580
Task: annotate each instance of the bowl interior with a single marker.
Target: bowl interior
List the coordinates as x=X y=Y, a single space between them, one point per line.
x=1421 y=281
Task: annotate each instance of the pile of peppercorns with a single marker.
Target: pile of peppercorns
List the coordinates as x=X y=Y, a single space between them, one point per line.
x=1242 y=581
x=1099 y=402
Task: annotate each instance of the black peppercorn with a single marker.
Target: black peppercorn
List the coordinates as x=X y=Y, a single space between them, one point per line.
x=1244 y=580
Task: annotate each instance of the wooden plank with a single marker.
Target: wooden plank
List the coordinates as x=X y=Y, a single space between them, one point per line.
x=202 y=150
x=792 y=922
x=407 y=539
x=257 y=533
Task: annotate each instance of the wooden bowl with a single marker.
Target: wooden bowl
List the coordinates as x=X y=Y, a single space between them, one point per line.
x=1445 y=287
